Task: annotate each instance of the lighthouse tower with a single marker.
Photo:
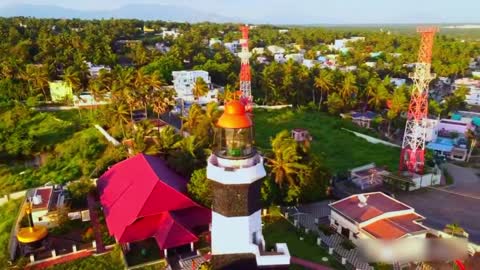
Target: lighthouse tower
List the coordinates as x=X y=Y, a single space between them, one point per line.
x=236 y=170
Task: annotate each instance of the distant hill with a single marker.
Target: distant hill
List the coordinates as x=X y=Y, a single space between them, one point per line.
x=133 y=11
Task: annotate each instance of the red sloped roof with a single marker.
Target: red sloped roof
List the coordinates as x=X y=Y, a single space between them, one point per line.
x=395 y=227
x=377 y=204
x=140 y=193
x=167 y=232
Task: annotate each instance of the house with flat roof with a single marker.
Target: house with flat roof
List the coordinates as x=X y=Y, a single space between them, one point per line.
x=45 y=202
x=473 y=97
x=449 y=139
x=377 y=216
x=274 y=49
x=60 y=91
x=368 y=176
x=184 y=81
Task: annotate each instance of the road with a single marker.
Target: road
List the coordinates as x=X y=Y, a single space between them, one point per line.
x=465 y=180
x=457 y=203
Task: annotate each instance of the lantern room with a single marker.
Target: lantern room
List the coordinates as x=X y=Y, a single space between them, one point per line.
x=234 y=133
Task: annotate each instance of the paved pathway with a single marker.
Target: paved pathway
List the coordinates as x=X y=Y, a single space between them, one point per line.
x=95 y=223
x=306 y=216
x=308 y=264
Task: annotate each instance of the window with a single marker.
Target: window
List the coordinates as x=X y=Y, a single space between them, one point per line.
x=40 y=219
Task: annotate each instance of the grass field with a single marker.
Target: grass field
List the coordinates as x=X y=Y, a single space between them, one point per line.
x=341 y=150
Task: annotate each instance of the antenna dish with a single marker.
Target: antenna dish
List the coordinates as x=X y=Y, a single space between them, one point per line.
x=37 y=199
x=362 y=200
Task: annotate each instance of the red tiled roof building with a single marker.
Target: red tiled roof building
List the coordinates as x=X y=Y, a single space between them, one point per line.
x=375 y=216
x=142 y=198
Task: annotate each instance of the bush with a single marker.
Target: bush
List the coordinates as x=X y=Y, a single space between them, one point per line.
x=200 y=188
x=348 y=244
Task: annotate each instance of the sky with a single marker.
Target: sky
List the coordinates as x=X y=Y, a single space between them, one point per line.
x=307 y=11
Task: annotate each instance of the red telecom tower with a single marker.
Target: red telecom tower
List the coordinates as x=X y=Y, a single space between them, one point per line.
x=245 y=73
x=413 y=147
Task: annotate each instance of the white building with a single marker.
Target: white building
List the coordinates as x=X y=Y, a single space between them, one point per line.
x=371 y=64
x=274 y=49
x=282 y=31
x=296 y=57
x=95 y=69
x=473 y=98
x=232 y=46
x=309 y=63
x=368 y=176
x=184 y=81
x=279 y=58
x=45 y=203
x=340 y=44
x=398 y=81
x=375 y=215
x=86 y=99
x=214 y=41
x=169 y=33
x=258 y=50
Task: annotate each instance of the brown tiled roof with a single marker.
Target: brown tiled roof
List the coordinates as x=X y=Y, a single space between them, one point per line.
x=377 y=204
x=395 y=227
x=45 y=193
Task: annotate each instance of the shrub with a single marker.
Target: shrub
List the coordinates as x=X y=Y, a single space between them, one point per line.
x=326 y=229
x=348 y=244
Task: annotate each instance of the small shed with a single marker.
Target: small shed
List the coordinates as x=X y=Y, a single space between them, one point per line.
x=301 y=135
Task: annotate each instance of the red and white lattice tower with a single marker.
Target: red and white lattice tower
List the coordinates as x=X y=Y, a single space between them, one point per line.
x=245 y=73
x=413 y=147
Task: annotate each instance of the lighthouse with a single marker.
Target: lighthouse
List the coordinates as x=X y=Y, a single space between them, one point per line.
x=236 y=170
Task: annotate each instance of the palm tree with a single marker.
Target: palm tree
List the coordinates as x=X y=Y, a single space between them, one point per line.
x=397 y=104
x=323 y=82
x=167 y=139
x=371 y=87
x=119 y=114
x=72 y=79
x=284 y=161
x=97 y=89
x=454 y=229
x=194 y=118
x=349 y=88
x=162 y=100
x=378 y=96
x=187 y=145
x=143 y=138
x=39 y=78
x=212 y=114
x=200 y=88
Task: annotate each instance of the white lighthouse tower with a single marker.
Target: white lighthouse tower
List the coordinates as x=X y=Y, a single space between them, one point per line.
x=236 y=170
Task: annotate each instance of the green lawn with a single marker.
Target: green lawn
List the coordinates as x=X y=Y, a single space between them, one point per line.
x=8 y=212
x=341 y=150
x=279 y=230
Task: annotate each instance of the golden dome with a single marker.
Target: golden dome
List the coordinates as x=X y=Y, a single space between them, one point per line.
x=234 y=116
x=33 y=234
